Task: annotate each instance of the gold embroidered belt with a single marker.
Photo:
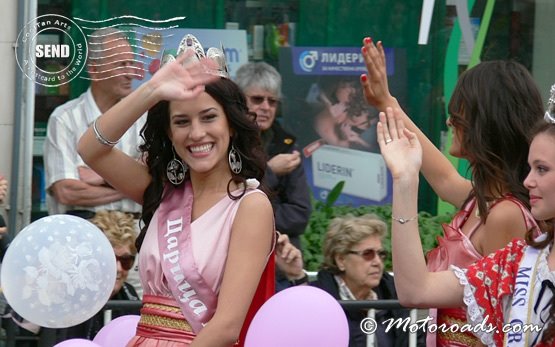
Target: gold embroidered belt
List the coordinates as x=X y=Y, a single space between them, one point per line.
x=161 y=318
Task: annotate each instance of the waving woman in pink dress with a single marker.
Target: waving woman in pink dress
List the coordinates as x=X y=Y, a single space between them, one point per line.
x=208 y=235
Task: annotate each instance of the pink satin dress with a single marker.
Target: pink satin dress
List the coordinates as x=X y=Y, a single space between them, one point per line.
x=455 y=248
x=162 y=323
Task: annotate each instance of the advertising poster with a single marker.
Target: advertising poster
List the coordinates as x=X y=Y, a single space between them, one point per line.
x=155 y=43
x=335 y=127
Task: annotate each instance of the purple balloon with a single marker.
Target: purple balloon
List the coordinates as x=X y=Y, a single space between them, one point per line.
x=301 y=316
x=76 y=343
x=118 y=332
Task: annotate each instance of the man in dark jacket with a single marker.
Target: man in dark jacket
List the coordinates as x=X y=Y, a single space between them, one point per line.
x=291 y=201
x=285 y=174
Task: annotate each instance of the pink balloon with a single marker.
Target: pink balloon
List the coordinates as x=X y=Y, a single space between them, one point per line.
x=118 y=332
x=301 y=316
x=77 y=343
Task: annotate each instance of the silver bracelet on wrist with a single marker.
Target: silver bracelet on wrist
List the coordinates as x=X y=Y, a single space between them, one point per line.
x=403 y=220
x=100 y=138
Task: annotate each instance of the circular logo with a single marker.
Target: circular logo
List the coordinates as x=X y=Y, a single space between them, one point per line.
x=51 y=50
x=307 y=60
x=368 y=325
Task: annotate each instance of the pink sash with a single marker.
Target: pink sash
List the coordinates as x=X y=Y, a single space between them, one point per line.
x=195 y=298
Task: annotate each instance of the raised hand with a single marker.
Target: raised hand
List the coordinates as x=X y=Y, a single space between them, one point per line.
x=400 y=147
x=374 y=84
x=174 y=81
x=289 y=258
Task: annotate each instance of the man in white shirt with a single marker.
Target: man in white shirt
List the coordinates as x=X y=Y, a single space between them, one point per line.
x=72 y=187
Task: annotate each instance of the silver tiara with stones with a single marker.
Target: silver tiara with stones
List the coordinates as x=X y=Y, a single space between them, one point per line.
x=191 y=43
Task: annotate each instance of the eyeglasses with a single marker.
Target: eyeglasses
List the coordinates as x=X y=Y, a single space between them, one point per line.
x=126 y=261
x=369 y=254
x=259 y=99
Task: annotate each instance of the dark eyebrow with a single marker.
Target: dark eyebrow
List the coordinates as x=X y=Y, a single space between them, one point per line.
x=173 y=116
x=537 y=162
x=201 y=113
x=207 y=110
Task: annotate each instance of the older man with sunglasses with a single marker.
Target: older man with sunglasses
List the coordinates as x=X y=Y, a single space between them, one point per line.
x=285 y=174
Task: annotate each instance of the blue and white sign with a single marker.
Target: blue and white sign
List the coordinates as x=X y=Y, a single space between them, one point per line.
x=334 y=61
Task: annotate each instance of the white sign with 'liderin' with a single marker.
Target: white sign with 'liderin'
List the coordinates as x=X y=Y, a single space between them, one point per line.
x=364 y=173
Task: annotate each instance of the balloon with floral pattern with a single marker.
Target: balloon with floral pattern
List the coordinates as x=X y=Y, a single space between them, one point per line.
x=58 y=271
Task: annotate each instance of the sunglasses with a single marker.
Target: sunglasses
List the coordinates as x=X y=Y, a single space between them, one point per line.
x=259 y=99
x=126 y=261
x=369 y=254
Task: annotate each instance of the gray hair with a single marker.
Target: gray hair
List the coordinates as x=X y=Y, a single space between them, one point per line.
x=97 y=40
x=345 y=232
x=259 y=75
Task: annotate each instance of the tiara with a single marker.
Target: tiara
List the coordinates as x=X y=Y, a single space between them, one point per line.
x=550 y=113
x=191 y=43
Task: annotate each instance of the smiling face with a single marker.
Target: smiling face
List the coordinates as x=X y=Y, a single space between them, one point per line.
x=359 y=274
x=200 y=133
x=540 y=182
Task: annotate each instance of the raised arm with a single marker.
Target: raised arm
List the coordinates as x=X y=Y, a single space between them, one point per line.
x=448 y=184
x=172 y=82
x=416 y=287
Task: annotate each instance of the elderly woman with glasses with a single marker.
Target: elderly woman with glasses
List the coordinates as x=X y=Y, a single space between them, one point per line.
x=353 y=269
x=284 y=175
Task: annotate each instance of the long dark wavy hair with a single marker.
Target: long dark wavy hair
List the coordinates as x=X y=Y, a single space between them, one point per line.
x=495 y=105
x=547 y=227
x=157 y=147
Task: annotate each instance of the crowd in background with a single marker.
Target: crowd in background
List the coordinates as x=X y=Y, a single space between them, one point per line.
x=200 y=129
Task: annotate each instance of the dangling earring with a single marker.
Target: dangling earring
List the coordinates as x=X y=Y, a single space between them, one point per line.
x=176 y=169
x=235 y=162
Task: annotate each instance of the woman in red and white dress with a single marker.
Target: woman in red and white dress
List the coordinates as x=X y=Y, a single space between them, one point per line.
x=509 y=289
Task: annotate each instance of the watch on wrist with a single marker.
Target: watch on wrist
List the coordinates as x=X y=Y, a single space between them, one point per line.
x=301 y=280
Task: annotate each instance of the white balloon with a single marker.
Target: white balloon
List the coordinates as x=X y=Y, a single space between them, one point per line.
x=58 y=271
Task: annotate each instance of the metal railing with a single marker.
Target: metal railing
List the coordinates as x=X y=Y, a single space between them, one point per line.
x=47 y=337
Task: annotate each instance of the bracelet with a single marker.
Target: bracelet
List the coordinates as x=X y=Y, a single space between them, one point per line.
x=403 y=220
x=100 y=138
x=301 y=280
